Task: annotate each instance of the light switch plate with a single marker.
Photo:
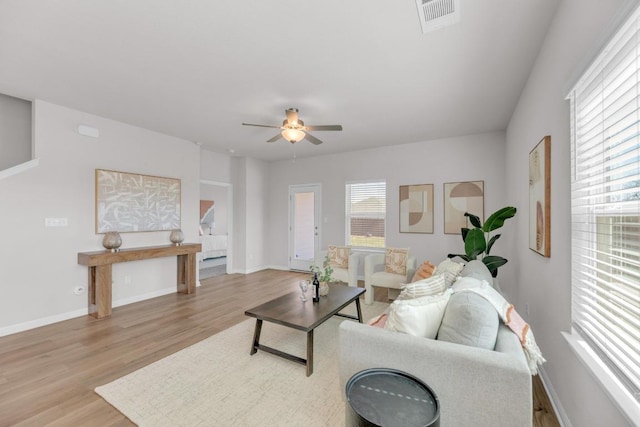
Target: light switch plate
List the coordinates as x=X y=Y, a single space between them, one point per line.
x=55 y=222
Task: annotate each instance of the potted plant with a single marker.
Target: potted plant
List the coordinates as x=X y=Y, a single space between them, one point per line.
x=324 y=275
x=478 y=241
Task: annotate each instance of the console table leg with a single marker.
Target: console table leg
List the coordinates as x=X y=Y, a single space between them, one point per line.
x=187 y=273
x=100 y=291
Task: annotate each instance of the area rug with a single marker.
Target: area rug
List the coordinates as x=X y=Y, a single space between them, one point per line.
x=217 y=383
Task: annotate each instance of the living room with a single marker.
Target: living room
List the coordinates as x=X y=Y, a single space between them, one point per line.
x=40 y=265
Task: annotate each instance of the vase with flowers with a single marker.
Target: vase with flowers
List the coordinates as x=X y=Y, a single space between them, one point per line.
x=324 y=275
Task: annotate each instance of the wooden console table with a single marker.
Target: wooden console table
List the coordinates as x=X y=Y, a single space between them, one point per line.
x=99 y=263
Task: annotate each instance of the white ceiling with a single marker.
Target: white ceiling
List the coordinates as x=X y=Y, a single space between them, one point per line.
x=197 y=69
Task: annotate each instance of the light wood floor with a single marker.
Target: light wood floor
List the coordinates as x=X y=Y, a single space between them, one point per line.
x=47 y=375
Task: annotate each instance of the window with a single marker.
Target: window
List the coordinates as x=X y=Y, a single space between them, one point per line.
x=605 y=206
x=366 y=206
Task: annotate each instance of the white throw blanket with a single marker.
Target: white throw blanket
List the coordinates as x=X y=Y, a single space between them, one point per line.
x=508 y=315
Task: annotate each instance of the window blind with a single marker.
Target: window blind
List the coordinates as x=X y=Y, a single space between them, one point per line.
x=366 y=208
x=605 y=205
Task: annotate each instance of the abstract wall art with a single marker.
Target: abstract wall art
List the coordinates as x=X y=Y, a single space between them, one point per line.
x=128 y=202
x=461 y=197
x=416 y=208
x=540 y=197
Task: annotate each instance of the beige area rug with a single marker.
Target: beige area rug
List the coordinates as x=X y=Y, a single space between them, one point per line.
x=217 y=383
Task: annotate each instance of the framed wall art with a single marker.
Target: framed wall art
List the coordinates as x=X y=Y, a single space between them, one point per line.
x=129 y=202
x=461 y=197
x=416 y=208
x=540 y=197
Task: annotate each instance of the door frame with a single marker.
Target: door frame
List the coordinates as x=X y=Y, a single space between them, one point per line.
x=317 y=189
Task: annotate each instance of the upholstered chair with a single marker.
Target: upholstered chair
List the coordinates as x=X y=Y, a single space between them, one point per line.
x=375 y=275
x=345 y=275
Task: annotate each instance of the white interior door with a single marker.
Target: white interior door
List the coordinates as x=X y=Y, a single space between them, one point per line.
x=304 y=231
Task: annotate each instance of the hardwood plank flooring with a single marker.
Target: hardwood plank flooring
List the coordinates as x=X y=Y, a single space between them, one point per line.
x=47 y=375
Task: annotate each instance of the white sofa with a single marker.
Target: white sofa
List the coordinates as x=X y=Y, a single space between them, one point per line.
x=345 y=275
x=475 y=386
x=375 y=275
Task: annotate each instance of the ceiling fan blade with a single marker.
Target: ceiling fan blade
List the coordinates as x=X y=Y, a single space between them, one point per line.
x=292 y=115
x=275 y=138
x=262 y=126
x=324 y=127
x=312 y=139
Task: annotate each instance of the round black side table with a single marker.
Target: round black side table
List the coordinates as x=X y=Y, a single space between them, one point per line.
x=389 y=398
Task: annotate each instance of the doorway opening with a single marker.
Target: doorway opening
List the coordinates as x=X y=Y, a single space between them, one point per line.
x=216 y=225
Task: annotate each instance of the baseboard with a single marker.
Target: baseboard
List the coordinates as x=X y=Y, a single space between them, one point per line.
x=44 y=321
x=553 y=397
x=143 y=297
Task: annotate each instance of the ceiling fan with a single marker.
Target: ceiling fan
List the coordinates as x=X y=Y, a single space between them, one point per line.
x=293 y=129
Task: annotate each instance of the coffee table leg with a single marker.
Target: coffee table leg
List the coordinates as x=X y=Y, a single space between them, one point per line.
x=310 y=352
x=256 y=337
x=359 y=311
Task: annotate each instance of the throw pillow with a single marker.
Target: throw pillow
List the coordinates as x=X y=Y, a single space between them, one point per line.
x=378 y=321
x=471 y=320
x=432 y=286
x=395 y=261
x=450 y=269
x=424 y=271
x=339 y=256
x=419 y=317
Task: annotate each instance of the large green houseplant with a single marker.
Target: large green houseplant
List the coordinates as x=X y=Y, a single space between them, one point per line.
x=478 y=241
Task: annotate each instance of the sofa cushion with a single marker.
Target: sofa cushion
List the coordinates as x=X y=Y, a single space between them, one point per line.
x=395 y=261
x=432 y=286
x=420 y=317
x=338 y=256
x=477 y=270
x=471 y=320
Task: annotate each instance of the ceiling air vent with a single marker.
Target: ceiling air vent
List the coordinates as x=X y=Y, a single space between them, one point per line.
x=435 y=14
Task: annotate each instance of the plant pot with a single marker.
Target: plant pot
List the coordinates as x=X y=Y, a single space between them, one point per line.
x=324 y=289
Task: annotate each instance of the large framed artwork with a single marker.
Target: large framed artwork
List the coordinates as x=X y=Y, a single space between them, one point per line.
x=461 y=197
x=416 y=208
x=129 y=202
x=540 y=197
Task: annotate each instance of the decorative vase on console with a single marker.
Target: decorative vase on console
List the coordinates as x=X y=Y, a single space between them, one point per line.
x=176 y=237
x=112 y=241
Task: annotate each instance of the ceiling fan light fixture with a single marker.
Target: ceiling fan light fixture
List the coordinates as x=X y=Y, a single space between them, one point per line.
x=293 y=135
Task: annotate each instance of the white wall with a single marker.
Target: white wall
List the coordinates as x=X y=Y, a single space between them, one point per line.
x=467 y=158
x=545 y=283
x=15 y=131
x=215 y=166
x=249 y=178
x=38 y=264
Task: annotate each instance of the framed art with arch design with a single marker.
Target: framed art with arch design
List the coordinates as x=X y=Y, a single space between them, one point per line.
x=461 y=197
x=540 y=197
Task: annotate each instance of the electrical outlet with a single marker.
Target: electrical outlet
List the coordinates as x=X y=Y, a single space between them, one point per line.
x=127 y=280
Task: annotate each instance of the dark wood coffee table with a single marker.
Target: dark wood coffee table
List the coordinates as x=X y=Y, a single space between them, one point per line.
x=289 y=310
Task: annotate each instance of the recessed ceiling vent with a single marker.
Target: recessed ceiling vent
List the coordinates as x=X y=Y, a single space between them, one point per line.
x=435 y=14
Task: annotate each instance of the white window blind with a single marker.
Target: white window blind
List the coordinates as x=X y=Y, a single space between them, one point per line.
x=605 y=205
x=366 y=208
